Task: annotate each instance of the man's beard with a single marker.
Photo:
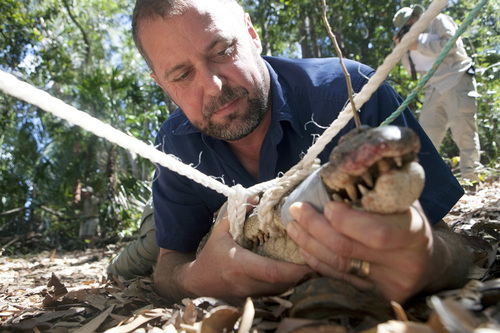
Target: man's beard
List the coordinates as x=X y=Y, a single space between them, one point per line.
x=236 y=125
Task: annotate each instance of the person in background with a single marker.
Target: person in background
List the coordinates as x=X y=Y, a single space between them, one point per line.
x=450 y=94
x=244 y=119
x=90 y=217
x=139 y=257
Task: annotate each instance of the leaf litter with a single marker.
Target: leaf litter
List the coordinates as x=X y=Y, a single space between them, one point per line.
x=71 y=292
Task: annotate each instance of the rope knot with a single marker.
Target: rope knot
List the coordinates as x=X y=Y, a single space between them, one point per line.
x=271 y=197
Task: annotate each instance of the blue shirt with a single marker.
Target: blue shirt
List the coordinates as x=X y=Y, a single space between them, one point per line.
x=307 y=96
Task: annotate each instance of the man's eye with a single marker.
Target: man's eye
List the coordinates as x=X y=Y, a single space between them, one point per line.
x=227 y=51
x=184 y=76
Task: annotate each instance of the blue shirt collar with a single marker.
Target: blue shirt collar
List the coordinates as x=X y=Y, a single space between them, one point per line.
x=280 y=108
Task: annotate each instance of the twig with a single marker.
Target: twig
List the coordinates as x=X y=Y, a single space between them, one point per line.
x=8 y=244
x=346 y=73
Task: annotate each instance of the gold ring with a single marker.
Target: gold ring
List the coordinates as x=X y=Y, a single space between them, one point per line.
x=360 y=268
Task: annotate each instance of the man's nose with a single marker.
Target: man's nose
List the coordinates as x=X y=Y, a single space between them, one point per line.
x=211 y=80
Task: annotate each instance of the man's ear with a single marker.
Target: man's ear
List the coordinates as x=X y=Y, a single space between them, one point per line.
x=153 y=75
x=253 y=33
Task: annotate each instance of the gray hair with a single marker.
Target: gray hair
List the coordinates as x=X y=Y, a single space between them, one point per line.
x=151 y=9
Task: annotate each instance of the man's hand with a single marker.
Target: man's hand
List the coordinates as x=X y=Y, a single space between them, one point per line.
x=223 y=269
x=405 y=254
x=395 y=39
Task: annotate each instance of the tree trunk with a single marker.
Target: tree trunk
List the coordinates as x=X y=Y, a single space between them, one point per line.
x=111 y=173
x=308 y=40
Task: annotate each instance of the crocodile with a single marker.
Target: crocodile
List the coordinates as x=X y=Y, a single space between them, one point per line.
x=372 y=169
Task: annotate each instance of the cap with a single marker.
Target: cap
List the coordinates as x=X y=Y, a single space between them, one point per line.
x=88 y=189
x=403 y=15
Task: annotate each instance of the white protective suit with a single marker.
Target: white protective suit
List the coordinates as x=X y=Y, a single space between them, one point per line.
x=450 y=94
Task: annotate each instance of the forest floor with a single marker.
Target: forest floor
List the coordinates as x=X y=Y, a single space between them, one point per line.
x=71 y=292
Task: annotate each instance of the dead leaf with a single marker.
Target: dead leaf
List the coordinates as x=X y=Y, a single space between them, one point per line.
x=453 y=315
x=94 y=324
x=247 y=317
x=137 y=321
x=51 y=259
x=399 y=311
x=77 y=296
x=97 y=301
x=42 y=321
x=190 y=315
x=59 y=288
x=221 y=319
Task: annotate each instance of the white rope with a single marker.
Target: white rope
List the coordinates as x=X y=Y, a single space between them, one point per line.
x=274 y=194
x=26 y=92
x=271 y=197
x=239 y=202
x=237 y=210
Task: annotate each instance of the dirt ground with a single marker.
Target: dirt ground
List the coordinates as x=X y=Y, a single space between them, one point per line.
x=71 y=292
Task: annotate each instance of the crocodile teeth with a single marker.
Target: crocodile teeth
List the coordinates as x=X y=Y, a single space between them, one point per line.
x=351 y=192
x=367 y=177
x=399 y=161
x=362 y=189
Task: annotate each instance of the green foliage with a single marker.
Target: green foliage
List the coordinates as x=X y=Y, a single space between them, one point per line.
x=20 y=24
x=483 y=43
x=82 y=53
x=296 y=29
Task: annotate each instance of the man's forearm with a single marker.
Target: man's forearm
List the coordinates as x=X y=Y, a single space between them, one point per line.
x=451 y=261
x=167 y=275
